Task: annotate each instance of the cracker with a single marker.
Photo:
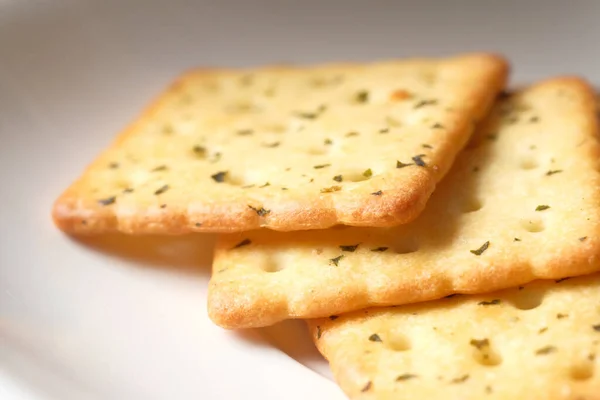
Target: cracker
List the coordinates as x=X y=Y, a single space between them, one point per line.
x=540 y=341
x=285 y=148
x=522 y=202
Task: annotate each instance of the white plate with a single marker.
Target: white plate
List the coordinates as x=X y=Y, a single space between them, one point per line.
x=125 y=318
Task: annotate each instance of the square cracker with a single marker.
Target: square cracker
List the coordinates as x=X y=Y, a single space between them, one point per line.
x=286 y=148
x=521 y=202
x=541 y=341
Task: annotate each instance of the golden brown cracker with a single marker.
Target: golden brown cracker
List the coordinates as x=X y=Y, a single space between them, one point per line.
x=286 y=148
x=522 y=202
x=540 y=341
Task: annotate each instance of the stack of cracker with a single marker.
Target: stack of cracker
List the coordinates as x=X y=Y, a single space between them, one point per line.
x=439 y=235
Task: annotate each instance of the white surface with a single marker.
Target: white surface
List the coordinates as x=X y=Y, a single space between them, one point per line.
x=125 y=318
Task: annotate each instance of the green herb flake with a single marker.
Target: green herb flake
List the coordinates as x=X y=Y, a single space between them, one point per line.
x=362 y=96
x=561 y=316
x=328 y=142
x=545 y=350
x=349 y=248
x=375 y=338
x=367 y=173
x=542 y=207
x=260 y=211
x=159 y=168
x=338 y=178
x=400 y=164
x=384 y=130
x=480 y=250
x=405 y=377
x=480 y=343
x=272 y=145
x=553 y=171
x=198 y=224
x=128 y=190
x=161 y=190
x=321 y=166
x=219 y=177
x=542 y=330
x=243 y=243
x=331 y=189
x=265 y=185
x=367 y=387
x=424 y=103
x=460 y=379
x=353 y=133
x=516 y=240
x=319 y=332
x=379 y=249
x=437 y=125
x=336 y=260
x=426 y=146
x=107 y=201
x=583 y=238
x=333 y=317
x=200 y=151
x=596 y=327
x=494 y=302
x=245 y=132
x=377 y=193
x=419 y=160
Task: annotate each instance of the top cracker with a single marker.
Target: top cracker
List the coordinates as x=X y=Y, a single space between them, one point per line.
x=286 y=148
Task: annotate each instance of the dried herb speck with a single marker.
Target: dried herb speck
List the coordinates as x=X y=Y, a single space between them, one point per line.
x=405 y=377
x=583 y=238
x=545 y=350
x=561 y=280
x=561 y=316
x=107 y=201
x=161 y=190
x=460 y=379
x=427 y=146
x=424 y=103
x=159 y=168
x=367 y=387
x=400 y=164
x=377 y=193
x=321 y=166
x=163 y=206
x=362 y=96
x=265 y=185
x=243 y=243
x=350 y=134
x=480 y=250
x=542 y=330
x=333 y=317
x=367 y=173
x=516 y=240
x=200 y=151
x=489 y=303
x=437 y=126
x=384 y=130
x=260 y=211
x=245 y=132
x=379 y=249
x=375 y=338
x=349 y=248
x=113 y=165
x=596 y=327
x=419 y=160
x=338 y=178
x=219 y=177
x=542 y=207
x=272 y=145
x=534 y=119
x=336 y=260
x=128 y=190
x=198 y=224
x=331 y=189
x=319 y=332
x=328 y=141
x=553 y=171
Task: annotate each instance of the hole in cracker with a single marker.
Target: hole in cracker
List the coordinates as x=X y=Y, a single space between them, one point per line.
x=406 y=246
x=527 y=299
x=316 y=151
x=528 y=163
x=273 y=266
x=582 y=370
x=396 y=341
x=471 y=205
x=484 y=353
x=358 y=176
x=533 y=225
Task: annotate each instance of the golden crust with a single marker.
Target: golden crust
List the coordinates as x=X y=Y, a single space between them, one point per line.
x=539 y=148
x=204 y=110
x=541 y=340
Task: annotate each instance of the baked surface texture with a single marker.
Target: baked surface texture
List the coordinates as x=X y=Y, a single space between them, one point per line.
x=522 y=202
x=540 y=341
x=286 y=148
